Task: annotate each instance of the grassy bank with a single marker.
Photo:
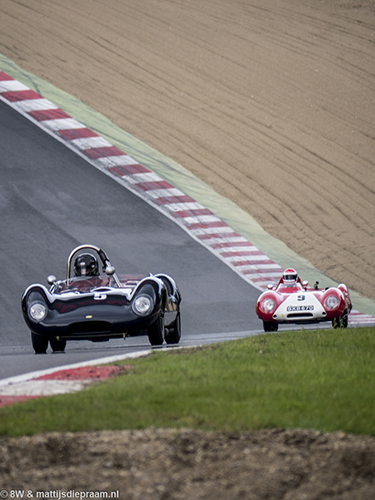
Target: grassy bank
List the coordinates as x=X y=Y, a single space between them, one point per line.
x=323 y=379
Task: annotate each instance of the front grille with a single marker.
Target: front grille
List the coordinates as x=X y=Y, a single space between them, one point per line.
x=300 y=315
x=90 y=327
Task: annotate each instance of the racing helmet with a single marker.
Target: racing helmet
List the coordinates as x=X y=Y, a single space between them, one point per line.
x=86 y=265
x=290 y=276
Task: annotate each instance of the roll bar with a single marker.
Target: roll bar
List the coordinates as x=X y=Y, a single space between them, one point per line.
x=108 y=268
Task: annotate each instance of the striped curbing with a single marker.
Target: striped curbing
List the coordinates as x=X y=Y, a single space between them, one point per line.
x=62 y=380
x=198 y=221
x=59 y=382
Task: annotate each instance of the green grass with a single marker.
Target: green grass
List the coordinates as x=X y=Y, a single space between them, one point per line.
x=323 y=379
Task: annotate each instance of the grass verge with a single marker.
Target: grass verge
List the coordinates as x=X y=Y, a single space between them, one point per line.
x=321 y=379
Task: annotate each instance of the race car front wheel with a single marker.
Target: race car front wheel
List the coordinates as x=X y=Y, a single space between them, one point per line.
x=344 y=320
x=155 y=331
x=39 y=343
x=269 y=326
x=341 y=321
x=57 y=345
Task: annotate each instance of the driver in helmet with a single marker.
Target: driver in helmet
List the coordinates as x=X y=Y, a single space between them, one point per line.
x=290 y=277
x=86 y=265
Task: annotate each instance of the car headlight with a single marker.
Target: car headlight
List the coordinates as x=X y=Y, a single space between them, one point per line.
x=38 y=312
x=268 y=305
x=143 y=305
x=331 y=302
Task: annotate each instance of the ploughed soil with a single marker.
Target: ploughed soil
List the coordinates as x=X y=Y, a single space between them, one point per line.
x=191 y=465
x=271 y=102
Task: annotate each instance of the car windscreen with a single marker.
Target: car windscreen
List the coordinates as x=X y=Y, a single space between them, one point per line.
x=84 y=284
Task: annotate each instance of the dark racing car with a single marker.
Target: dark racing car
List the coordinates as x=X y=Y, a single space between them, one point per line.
x=94 y=303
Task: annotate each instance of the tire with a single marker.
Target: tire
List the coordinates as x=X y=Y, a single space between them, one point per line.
x=57 y=345
x=155 y=331
x=344 y=321
x=174 y=332
x=269 y=326
x=39 y=343
x=336 y=322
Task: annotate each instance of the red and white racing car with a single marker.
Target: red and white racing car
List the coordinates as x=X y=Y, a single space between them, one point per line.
x=292 y=301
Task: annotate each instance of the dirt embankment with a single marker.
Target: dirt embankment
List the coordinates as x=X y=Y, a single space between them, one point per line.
x=186 y=465
x=270 y=102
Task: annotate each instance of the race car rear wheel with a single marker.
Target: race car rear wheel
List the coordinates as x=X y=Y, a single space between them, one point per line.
x=39 y=343
x=174 y=332
x=155 y=331
x=57 y=345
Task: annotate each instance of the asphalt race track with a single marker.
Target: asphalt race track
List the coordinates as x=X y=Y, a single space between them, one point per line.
x=52 y=200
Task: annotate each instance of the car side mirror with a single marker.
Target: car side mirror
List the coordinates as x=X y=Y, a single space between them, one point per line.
x=305 y=284
x=110 y=270
x=269 y=286
x=51 y=279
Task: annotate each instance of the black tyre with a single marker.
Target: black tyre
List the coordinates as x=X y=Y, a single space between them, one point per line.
x=57 y=345
x=39 y=343
x=269 y=326
x=344 y=320
x=174 y=332
x=341 y=322
x=336 y=322
x=155 y=331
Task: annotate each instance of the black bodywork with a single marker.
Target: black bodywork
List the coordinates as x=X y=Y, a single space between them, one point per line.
x=102 y=307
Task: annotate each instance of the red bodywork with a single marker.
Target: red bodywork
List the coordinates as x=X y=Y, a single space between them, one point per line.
x=300 y=304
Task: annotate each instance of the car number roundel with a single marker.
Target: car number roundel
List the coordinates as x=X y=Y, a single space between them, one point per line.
x=100 y=296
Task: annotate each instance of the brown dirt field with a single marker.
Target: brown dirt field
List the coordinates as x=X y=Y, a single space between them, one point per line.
x=159 y=464
x=272 y=102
